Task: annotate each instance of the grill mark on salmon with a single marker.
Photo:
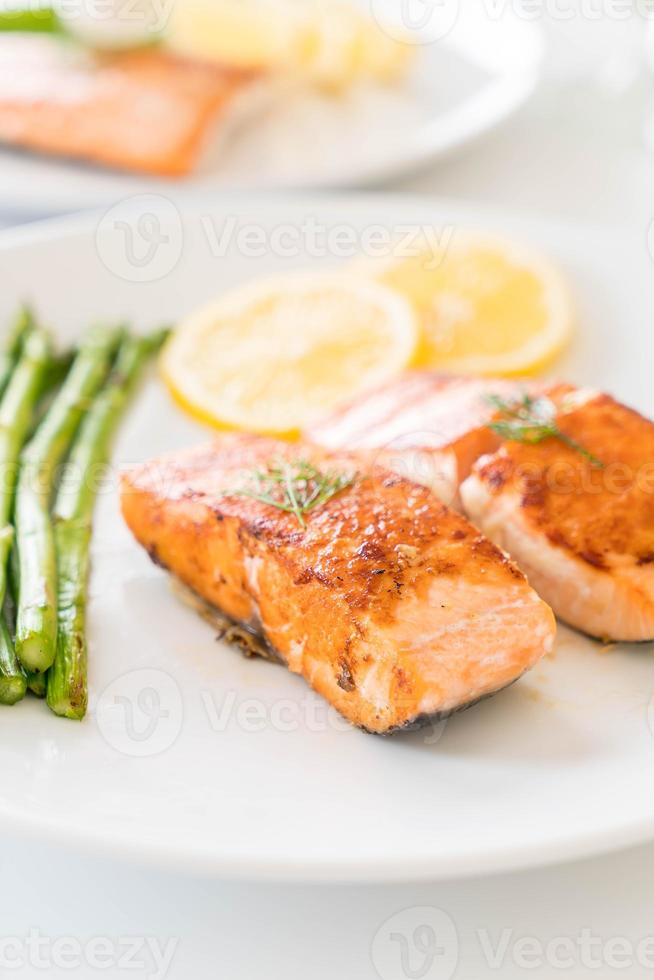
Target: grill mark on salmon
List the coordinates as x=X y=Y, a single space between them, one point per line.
x=426 y=426
x=392 y=607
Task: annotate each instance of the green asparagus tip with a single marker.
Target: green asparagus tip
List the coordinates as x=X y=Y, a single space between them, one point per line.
x=102 y=335
x=37 y=342
x=19 y=331
x=27 y=314
x=157 y=338
x=13 y=689
x=25 y=320
x=102 y=339
x=57 y=370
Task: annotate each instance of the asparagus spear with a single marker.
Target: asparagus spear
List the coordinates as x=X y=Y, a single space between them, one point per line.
x=73 y=513
x=36 y=621
x=16 y=411
x=12 y=346
x=13 y=683
x=55 y=374
x=58 y=368
x=36 y=683
x=40 y=19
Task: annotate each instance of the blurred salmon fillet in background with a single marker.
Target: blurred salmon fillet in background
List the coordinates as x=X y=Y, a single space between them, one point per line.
x=146 y=111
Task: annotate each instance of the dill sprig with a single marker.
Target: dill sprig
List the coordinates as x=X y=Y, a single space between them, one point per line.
x=530 y=420
x=295 y=486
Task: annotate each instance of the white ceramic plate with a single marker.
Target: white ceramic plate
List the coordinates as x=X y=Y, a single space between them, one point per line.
x=471 y=73
x=194 y=758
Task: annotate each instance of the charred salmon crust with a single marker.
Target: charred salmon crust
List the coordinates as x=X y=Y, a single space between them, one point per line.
x=422 y=721
x=391 y=606
x=250 y=641
x=254 y=644
x=582 y=532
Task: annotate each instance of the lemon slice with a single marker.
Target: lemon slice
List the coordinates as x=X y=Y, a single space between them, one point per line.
x=246 y=34
x=331 y=44
x=344 y=46
x=276 y=355
x=485 y=306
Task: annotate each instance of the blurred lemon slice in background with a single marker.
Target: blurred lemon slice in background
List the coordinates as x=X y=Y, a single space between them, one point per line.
x=330 y=43
x=485 y=306
x=276 y=355
x=245 y=34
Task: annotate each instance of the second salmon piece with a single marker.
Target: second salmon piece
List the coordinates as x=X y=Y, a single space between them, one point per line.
x=391 y=606
x=582 y=531
x=427 y=426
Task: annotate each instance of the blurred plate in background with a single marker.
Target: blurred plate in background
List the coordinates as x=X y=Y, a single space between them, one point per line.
x=470 y=73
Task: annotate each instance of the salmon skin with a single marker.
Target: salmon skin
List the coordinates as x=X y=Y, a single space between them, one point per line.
x=391 y=606
x=583 y=533
x=145 y=111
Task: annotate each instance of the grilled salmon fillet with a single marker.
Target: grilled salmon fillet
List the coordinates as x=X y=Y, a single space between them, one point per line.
x=426 y=426
x=145 y=111
x=391 y=606
x=582 y=533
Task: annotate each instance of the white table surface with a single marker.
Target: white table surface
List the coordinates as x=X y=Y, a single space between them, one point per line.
x=575 y=152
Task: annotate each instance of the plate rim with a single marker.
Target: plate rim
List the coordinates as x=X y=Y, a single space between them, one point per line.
x=477 y=864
